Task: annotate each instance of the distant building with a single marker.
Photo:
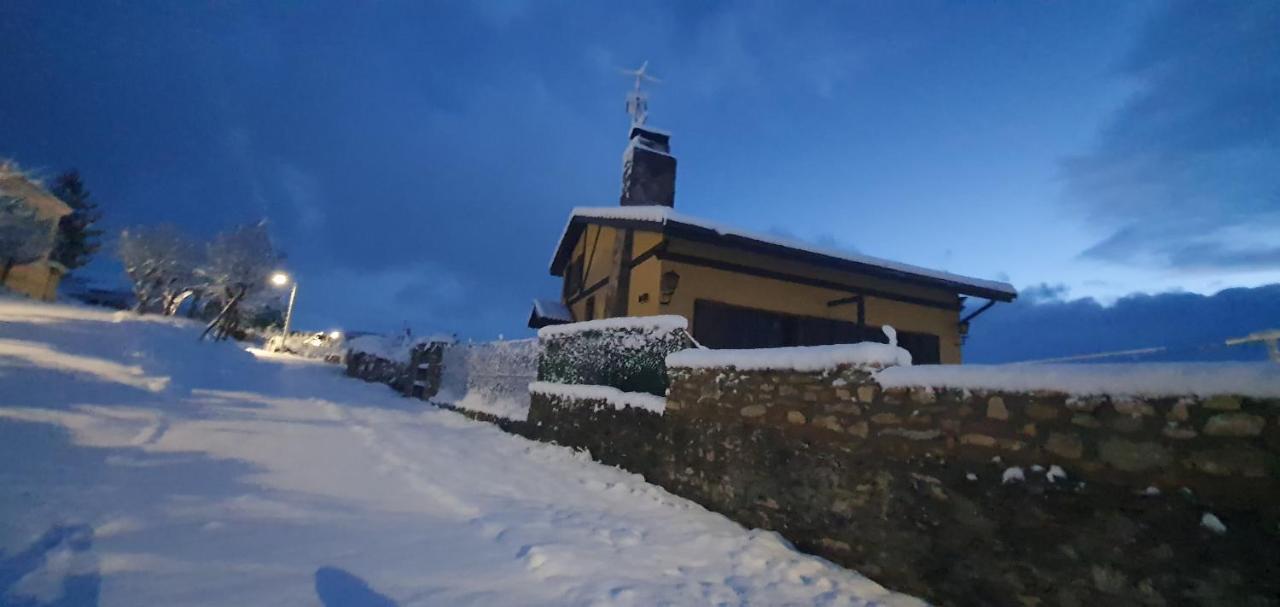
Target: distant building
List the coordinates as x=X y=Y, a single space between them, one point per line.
x=744 y=290
x=39 y=278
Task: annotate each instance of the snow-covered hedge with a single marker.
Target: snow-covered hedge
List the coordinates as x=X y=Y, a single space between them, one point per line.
x=624 y=353
x=491 y=377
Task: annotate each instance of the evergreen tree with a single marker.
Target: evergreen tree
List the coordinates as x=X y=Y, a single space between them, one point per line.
x=78 y=240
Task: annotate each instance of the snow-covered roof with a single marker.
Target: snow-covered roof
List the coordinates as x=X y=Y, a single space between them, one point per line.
x=667 y=219
x=798 y=358
x=1259 y=380
x=552 y=309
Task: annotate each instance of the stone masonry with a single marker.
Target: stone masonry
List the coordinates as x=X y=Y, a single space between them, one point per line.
x=908 y=486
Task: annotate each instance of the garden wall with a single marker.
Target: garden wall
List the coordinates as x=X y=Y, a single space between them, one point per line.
x=966 y=495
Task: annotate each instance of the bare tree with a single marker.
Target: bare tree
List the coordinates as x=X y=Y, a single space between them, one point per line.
x=162 y=263
x=239 y=262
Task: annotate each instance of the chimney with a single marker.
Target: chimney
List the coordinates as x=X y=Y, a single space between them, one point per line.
x=648 y=169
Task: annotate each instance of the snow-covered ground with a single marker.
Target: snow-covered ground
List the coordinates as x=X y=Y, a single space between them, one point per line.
x=140 y=467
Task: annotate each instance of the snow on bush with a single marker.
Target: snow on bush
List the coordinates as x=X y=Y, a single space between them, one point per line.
x=625 y=353
x=490 y=377
x=798 y=358
x=614 y=397
x=1260 y=380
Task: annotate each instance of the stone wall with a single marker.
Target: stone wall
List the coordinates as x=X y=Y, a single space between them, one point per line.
x=370 y=368
x=908 y=486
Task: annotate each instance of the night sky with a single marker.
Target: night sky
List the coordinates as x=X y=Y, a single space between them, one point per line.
x=417 y=161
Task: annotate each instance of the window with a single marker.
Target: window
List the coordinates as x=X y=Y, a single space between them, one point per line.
x=720 y=325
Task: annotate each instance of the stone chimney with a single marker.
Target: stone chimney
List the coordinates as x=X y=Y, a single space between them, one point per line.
x=648 y=169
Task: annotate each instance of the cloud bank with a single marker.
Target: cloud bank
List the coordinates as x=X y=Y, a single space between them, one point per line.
x=1184 y=174
x=1043 y=324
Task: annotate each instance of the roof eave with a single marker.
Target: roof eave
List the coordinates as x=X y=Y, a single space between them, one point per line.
x=676 y=228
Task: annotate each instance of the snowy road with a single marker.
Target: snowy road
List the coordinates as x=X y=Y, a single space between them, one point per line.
x=139 y=467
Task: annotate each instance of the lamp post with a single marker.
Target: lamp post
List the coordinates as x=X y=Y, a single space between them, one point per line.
x=281 y=279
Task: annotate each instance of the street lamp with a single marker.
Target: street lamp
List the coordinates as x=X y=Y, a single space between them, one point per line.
x=281 y=279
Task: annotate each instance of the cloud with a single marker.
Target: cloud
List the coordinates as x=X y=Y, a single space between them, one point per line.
x=1043 y=324
x=1184 y=173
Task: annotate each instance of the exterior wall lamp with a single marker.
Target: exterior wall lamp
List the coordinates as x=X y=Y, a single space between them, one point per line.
x=667 y=287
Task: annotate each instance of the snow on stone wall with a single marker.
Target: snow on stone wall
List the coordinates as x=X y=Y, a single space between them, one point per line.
x=1260 y=379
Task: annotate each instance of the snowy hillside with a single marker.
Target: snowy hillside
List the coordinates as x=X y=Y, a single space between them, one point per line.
x=141 y=467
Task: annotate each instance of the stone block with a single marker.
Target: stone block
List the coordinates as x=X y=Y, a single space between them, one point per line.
x=1042 y=412
x=753 y=411
x=795 y=417
x=977 y=440
x=1133 y=408
x=923 y=396
x=1179 y=433
x=912 y=434
x=866 y=394
x=1084 y=420
x=1133 y=456
x=1065 y=444
x=1180 y=412
x=859 y=429
x=996 y=408
x=1243 y=461
x=1234 y=424
x=885 y=419
x=1223 y=402
x=1126 y=425
x=1009 y=444
x=829 y=422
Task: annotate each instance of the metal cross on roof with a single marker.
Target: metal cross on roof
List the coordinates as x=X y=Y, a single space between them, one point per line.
x=637 y=100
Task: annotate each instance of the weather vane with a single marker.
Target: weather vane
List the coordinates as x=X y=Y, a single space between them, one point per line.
x=637 y=100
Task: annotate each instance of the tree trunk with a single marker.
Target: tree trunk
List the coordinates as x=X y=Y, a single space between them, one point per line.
x=217 y=320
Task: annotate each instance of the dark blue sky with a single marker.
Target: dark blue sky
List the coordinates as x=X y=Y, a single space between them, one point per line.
x=417 y=161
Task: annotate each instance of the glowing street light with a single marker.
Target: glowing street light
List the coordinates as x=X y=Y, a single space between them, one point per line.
x=281 y=279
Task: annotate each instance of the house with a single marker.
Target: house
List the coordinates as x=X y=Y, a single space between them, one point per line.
x=745 y=290
x=38 y=278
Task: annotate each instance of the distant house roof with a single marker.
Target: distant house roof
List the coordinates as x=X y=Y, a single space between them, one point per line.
x=667 y=221
x=14 y=182
x=548 y=312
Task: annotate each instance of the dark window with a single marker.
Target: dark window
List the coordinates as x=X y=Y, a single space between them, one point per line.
x=591 y=309
x=720 y=325
x=923 y=347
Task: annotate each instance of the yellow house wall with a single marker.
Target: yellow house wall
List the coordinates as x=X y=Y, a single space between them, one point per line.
x=37 y=280
x=699 y=282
